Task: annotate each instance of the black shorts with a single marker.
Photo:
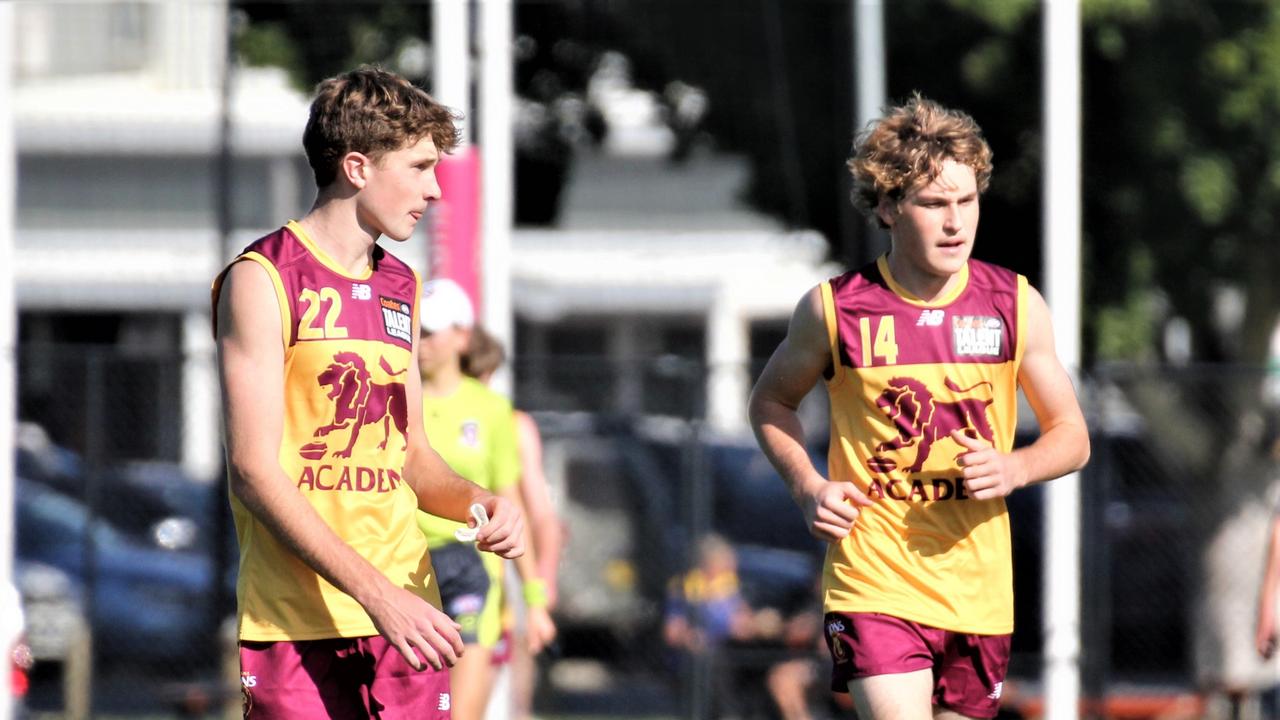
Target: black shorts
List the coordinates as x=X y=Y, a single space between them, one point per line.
x=464 y=584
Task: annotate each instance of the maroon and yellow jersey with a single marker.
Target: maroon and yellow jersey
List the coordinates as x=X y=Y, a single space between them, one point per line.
x=348 y=346
x=906 y=373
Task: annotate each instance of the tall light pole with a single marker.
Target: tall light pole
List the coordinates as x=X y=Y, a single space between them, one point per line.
x=497 y=175
x=8 y=318
x=870 y=70
x=1061 y=253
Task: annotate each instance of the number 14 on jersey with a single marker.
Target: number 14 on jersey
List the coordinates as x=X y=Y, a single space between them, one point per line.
x=885 y=346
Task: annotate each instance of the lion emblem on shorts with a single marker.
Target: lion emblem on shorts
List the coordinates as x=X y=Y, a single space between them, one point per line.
x=921 y=420
x=358 y=402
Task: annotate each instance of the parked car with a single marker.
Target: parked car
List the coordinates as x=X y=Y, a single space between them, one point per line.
x=144 y=603
x=151 y=501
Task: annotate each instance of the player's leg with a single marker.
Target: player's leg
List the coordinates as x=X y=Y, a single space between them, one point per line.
x=471 y=680
x=464 y=586
x=885 y=664
x=894 y=696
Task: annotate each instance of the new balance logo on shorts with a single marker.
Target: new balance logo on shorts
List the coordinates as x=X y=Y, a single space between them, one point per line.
x=444 y=701
x=995 y=694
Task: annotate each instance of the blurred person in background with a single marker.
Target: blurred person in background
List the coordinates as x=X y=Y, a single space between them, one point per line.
x=706 y=611
x=474 y=430
x=328 y=464
x=922 y=353
x=1266 y=629
x=484 y=356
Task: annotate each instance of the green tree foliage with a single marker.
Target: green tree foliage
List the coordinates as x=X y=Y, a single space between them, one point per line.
x=1181 y=143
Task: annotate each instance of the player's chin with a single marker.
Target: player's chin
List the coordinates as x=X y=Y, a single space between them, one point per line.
x=399 y=234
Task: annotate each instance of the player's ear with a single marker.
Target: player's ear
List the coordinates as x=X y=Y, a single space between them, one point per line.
x=355 y=168
x=885 y=210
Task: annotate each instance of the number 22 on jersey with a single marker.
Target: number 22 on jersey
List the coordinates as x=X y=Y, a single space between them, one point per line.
x=307 y=329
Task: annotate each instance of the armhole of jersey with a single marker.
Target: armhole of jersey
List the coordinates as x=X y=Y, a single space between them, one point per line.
x=833 y=333
x=417 y=297
x=413 y=319
x=1021 y=341
x=286 y=317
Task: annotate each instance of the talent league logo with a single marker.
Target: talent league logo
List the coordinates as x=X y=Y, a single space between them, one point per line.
x=358 y=401
x=921 y=420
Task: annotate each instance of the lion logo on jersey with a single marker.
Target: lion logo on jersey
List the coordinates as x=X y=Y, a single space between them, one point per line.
x=358 y=401
x=921 y=420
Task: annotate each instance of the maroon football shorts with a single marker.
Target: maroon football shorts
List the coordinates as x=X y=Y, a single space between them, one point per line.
x=968 y=670
x=345 y=678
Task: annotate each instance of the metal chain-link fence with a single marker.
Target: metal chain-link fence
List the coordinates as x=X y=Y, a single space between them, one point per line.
x=125 y=552
x=127 y=614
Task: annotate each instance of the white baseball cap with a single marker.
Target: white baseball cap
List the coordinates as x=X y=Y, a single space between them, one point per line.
x=445 y=304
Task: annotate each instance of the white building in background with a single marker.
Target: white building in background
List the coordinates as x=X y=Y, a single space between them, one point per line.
x=118 y=144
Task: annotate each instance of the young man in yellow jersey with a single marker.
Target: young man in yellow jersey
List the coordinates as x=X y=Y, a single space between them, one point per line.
x=922 y=353
x=328 y=463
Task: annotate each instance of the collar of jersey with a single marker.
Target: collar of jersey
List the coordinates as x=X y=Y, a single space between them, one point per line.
x=882 y=262
x=321 y=255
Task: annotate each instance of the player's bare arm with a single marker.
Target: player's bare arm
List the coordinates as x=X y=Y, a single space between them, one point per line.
x=830 y=509
x=445 y=493
x=544 y=525
x=1266 y=636
x=1063 y=445
x=250 y=359
x=540 y=628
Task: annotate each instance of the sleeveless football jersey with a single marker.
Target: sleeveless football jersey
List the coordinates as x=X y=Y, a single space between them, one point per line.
x=348 y=346
x=906 y=373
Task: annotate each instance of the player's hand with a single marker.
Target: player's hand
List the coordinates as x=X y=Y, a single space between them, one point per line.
x=831 y=510
x=540 y=629
x=411 y=624
x=988 y=473
x=504 y=535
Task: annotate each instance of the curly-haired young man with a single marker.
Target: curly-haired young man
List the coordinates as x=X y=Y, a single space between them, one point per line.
x=922 y=353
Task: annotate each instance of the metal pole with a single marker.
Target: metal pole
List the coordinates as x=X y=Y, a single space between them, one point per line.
x=199 y=367
x=870 y=65
x=8 y=314
x=1061 y=233
x=870 y=71
x=450 y=79
x=497 y=176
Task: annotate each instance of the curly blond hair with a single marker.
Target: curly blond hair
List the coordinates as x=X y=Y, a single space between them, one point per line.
x=905 y=149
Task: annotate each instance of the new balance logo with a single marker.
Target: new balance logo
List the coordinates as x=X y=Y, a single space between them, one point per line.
x=930 y=318
x=444 y=702
x=361 y=291
x=995 y=694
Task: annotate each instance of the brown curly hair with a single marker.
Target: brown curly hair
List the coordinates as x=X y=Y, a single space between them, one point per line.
x=905 y=150
x=372 y=111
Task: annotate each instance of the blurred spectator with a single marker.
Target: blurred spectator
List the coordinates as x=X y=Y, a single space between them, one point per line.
x=484 y=356
x=705 y=611
x=797 y=683
x=473 y=429
x=1229 y=671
